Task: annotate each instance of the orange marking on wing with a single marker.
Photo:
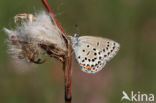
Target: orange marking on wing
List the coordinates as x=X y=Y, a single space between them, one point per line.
x=88 y=67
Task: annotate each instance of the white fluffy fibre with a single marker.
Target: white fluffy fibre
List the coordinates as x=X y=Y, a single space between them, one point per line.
x=42 y=30
x=25 y=39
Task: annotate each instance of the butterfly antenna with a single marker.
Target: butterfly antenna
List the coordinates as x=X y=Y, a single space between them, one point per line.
x=77 y=28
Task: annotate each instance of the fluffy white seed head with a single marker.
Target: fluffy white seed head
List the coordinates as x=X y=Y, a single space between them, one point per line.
x=24 y=42
x=42 y=30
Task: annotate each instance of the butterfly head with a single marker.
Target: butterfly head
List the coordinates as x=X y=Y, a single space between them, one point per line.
x=74 y=40
x=76 y=35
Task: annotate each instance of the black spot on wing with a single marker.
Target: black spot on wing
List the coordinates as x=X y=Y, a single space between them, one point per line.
x=79 y=57
x=98 y=43
x=103 y=50
x=94 y=49
x=88 y=53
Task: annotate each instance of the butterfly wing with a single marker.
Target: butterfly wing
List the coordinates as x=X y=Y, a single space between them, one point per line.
x=92 y=53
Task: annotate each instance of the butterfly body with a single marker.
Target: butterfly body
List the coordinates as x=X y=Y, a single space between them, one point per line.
x=92 y=53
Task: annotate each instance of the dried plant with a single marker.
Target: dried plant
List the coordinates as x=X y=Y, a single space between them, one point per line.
x=33 y=36
x=39 y=36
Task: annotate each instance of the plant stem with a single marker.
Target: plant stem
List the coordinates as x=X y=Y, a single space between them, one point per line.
x=67 y=64
x=53 y=17
x=68 y=76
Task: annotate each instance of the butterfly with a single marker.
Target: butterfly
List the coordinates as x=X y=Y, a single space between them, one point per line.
x=92 y=53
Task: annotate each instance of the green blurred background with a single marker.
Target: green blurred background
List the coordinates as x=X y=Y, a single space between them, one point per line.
x=132 y=23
